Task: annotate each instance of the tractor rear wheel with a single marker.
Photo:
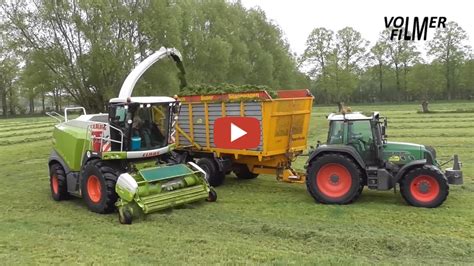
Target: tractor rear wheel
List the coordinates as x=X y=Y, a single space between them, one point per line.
x=424 y=186
x=98 y=186
x=242 y=172
x=334 y=179
x=57 y=181
x=214 y=176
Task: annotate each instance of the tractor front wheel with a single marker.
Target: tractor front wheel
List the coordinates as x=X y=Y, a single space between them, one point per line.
x=98 y=186
x=424 y=187
x=334 y=179
x=57 y=181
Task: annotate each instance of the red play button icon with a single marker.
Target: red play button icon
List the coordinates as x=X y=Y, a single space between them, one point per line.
x=236 y=132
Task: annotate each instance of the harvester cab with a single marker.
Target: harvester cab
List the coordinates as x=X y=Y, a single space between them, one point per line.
x=357 y=154
x=121 y=159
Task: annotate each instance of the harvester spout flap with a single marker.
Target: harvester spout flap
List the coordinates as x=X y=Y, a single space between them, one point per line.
x=137 y=72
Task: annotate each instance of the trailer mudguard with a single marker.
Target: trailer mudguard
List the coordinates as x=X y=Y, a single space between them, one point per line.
x=349 y=150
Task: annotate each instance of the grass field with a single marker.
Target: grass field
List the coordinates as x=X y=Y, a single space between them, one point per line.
x=254 y=221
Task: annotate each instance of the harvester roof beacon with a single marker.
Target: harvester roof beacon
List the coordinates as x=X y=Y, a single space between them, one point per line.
x=121 y=159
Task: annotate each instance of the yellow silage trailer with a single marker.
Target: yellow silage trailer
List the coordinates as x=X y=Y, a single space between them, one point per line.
x=284 y=123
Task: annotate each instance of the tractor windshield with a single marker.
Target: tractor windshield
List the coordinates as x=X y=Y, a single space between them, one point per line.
x=145 y=126
x=350 y=132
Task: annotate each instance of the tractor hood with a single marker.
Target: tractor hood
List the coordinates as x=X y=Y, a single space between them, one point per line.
x=402 y=153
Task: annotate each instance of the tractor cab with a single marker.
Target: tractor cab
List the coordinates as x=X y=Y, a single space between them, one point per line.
x=364 y=133
x=145 y=123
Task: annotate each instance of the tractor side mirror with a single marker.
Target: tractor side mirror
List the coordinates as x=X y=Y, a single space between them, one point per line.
x=385 y=122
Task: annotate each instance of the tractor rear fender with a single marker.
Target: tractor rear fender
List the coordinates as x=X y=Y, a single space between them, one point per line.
x=347 y=150
x=54 y=157
x=407 y=167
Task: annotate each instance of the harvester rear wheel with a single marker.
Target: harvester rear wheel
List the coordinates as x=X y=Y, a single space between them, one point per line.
x=242 y=172
x=424 y=187
x=334 y=179
x=98 y=186
x=214 y=176
x=57 y=181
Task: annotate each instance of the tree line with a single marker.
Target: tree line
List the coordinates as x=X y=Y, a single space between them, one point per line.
x=56 y=53
x=344 y=67
x=80 y=51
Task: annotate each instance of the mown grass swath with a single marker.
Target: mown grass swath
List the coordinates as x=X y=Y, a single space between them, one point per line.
x=255 y=221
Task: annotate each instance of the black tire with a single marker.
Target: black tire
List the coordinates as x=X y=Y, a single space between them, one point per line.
x=242 y=172
x=57 y=182
x=106 y=177
x=214 y=176
x=212 y=196
x=341 y=172
x=126 y=217
x=430 y=177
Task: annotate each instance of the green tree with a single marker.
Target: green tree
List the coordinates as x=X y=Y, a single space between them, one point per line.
x=379 y=56
x=449 y=48
x=402 y=54
x=425 y=81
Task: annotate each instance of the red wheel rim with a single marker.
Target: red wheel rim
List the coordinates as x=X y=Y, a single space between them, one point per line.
x=333 y=180
x=54 y=184
x=94 y=189
x=424 y=188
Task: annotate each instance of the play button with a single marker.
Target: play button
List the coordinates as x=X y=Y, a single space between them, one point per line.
x=236 y=132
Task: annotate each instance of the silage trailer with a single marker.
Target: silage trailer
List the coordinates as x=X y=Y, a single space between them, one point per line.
x=284 y=122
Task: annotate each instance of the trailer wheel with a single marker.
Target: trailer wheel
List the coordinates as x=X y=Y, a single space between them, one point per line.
x=57 y=181
x=424 y=186
x=242 y=172
x=214 y=176
x=334 y=179
x=98 y=186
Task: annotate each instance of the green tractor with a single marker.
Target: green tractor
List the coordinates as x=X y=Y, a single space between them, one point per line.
x=122 y=159
x=357 y=154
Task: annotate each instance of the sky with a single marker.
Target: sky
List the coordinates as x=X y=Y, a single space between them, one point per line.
x=297 y=18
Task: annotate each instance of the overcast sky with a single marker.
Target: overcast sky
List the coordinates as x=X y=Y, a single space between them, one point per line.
x=297 y=18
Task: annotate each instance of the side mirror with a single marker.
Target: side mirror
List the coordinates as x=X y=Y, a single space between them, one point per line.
x=385 y=123
x=383 y=130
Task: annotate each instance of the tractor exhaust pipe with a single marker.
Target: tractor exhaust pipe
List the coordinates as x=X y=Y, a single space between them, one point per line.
x=454 y=174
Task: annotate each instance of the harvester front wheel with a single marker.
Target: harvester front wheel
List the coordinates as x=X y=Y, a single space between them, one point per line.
x=98 y=187
x=242 y=172
x=424 y=186
x=334 y=179
x=57 y=181
x=214 y=176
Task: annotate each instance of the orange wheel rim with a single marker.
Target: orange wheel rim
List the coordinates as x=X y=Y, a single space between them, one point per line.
x=55 y=184
x=333 y=180
x=94 y=189
x=424 y=188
